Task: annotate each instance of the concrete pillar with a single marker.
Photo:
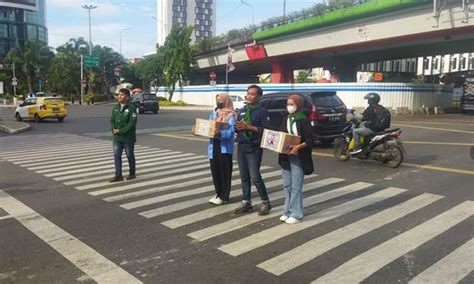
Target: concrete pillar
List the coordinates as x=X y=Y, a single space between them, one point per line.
x=281 y=72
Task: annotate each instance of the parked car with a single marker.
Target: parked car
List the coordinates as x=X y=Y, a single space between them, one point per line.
x=326 y=111
x=238 y=102
x=145 y=102
x=467 y=103
x=39 y=108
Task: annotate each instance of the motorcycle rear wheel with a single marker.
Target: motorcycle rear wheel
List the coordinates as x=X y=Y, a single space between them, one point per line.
x=395 y=156
x=341 y=150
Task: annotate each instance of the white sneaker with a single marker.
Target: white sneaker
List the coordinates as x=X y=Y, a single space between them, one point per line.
x=283 y=218
x=217 y=201
x=292 y=220
x=357 y=151
x=213 y=199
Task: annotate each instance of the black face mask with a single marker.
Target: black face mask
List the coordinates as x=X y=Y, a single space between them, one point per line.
x=220 y=105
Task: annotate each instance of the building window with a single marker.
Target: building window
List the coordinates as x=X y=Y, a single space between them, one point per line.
x=32 y=32
x=4 y=30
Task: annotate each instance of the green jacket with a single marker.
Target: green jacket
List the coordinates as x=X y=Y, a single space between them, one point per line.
x=125 y=121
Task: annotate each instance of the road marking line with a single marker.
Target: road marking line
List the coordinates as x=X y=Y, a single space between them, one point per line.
x=207 y=213
x=434 y=128
x=174 y=195
x=96 y=162
x=146 y=168
x=95 y=159
x=111 y=165
x=165 y=188
x=150 y=182
x=246 y=220
x=318 y=246
x=441 y=169
x=361 y=267
x=438 y=143
x=181 y=137
x=268 y=236
x=38 y=154
x=436 y=122
x=6 y=217
x=96 y=266
x=51 y=147
x=451 y=269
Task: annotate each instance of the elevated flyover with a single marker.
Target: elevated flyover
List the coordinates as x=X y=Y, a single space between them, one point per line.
x=346 y=38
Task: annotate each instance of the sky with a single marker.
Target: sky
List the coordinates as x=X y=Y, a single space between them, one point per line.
x=66 y=19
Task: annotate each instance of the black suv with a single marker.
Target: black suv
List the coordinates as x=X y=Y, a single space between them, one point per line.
x=145 y=102
x=326 y=111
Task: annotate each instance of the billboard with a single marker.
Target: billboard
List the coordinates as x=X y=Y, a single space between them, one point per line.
x=22 y=4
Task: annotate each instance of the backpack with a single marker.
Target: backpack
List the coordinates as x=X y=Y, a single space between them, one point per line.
x=382 y=118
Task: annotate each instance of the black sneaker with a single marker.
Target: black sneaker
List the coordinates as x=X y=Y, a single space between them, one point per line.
x=265 y=208
x=130 y=177
x=116 y=179
x=245 y=207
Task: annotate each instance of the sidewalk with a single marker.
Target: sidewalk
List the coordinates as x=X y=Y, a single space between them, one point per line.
x=14 y=127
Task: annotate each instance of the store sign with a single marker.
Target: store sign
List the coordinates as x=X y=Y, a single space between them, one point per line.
x=22 y=4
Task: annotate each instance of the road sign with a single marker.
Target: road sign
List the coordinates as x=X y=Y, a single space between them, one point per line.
x=91 y=60
x=14 y=81
x=83 y=81
x=213 y=76
x=212 y=83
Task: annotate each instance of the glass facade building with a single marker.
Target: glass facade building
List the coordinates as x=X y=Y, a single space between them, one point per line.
x=21 y=20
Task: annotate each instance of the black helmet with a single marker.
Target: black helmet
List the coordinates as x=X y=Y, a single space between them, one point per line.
x=373 y=98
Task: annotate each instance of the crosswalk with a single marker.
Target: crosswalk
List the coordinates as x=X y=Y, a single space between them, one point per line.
x=173 y=188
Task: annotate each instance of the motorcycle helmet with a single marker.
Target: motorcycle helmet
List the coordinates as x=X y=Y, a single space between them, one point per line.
x=373 y=98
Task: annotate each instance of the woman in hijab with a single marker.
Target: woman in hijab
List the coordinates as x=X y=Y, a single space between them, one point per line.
x=298 y=162
x=221 y=148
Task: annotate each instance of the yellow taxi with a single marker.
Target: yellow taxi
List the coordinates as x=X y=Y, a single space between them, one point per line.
x=39 y=108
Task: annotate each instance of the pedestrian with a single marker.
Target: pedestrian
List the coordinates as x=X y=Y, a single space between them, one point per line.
x=221 y=149
x=298 y=162
x=251 y=121
x=123 y=124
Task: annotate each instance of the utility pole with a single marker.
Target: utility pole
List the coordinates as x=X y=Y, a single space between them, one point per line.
x=82 y=80
x=121 y=38
x=284 y=8
x=89 y=8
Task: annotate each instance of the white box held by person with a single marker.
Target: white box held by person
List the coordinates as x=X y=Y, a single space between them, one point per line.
x=278 y=141
x=207 y=128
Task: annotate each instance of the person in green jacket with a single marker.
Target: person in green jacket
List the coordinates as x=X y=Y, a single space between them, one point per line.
x=123 y=124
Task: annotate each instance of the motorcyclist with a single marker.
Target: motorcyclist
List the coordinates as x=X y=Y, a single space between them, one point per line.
x=368 y=124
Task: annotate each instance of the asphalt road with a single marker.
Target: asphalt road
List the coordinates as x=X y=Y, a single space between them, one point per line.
x=61 y=222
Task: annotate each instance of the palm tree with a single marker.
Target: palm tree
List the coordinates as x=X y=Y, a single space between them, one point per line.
x=33 y=58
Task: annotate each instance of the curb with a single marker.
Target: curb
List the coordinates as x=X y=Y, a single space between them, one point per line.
x=19 y=127
x=190 y=108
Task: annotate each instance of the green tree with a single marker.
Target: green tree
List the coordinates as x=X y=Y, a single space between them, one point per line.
x=150 y=70
x=104 y=74
x=178 y=58
x=303 y=77
x=129 y=74
x=64 y=73
x=32 y=58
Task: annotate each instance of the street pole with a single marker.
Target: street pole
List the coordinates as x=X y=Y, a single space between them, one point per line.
x=121 y=38
x=89 y=8
x=14 y=77
x=82 y=78
x=284 y=8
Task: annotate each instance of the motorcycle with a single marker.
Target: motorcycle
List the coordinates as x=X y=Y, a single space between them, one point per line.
x=385 y=147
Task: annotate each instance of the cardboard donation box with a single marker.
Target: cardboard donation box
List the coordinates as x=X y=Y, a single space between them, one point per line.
x=207 y=128
x=278 y=141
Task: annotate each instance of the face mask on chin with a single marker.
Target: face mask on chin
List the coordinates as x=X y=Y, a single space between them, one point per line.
x=291 y=109
x=220 y=105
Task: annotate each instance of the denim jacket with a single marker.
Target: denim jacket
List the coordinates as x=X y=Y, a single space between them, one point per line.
x=226 y=137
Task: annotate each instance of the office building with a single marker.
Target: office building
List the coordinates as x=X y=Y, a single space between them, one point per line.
x=21 y=20
x=198 y=13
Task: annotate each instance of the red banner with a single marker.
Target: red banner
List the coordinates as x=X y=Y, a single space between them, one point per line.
x=255 y=51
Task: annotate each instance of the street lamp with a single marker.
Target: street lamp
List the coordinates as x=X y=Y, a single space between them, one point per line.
x=126 y=29
x=251 y=7
x=89 y=8
x=165 y=28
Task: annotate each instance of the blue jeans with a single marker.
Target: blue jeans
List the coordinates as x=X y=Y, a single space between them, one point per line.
x=129 y=150
x=362 y=131
x=293 y=188
x=249 y=167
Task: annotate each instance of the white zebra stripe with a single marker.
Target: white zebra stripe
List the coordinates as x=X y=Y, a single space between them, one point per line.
x=268 y=236
x=369 y=262
x=316 y=247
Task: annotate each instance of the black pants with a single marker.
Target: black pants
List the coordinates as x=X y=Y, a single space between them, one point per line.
x=221 y=169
